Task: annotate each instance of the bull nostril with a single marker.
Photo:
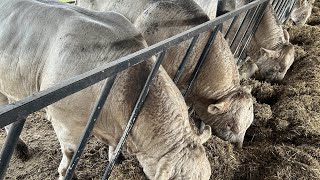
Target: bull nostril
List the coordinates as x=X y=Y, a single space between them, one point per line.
x=229 y=126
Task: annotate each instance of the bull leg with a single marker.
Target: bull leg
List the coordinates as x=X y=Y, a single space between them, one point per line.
x=68 y=135
x=67 y=154
x=68 y=141
x=21 y=150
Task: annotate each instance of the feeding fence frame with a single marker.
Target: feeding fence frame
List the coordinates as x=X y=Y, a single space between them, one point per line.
x=17 y=112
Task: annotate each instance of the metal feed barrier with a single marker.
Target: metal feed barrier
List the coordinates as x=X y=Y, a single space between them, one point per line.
x=17 y=112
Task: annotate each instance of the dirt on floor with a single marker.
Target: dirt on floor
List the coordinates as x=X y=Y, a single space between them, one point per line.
x=282 y=143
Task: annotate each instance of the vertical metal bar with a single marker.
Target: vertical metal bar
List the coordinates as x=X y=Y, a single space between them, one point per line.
x=277 y=5
x=90 y=125
x=134 y=115
x=238 y=30
x=244 y=35
x=283 y=8
x=231 y=26
x=280 y=9
x=202 y=58
x=274 y=3
x=255 y=28
x=9 y=145
x=185 y=60
x=290 y=10
x=283 y=12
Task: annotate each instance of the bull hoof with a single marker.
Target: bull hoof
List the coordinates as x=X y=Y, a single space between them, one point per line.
x=22 y=151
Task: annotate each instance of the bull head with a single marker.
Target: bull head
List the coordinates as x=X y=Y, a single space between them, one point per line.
x=301 y=12
x=232 y=115
x=274 y=64
x=180 y=162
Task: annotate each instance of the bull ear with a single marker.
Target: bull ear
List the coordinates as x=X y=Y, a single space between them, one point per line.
x=217 y=108
x=286 y=36
x=268 y=53
x=206 y=134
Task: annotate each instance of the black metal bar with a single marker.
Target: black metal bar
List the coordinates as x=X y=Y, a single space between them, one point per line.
x=244 y=35
x=10 y=113
x=234 y=20
x=134 y=115
x=280 y=9
x=275 y=2
x=283 y=12
x=9 y=145
x=202 y=58
x=277 y=5
x=290 y=10
x=90 y=125
x=239 y=29
x=254 y=29
x=185 y=60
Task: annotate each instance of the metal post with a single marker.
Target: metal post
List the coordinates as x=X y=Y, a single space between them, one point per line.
x=90 y=125
x=9 y=145
x=283 y=12
x=185 y=60
x=202 y=58
x=244 y=35
x=276 y=5
x=275 y=2
x=133 y=116
x=255 y=28
x=280 y=8
x=239 y=29
x=231 y=26
x=290 y=10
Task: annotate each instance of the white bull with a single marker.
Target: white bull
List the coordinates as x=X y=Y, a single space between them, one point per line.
x=270 y=50
x=217 y=96
x=301 y=12
x=44 y=42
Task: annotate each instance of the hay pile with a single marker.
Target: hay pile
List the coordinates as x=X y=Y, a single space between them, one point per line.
x=284 y=140
x=277 y=162
x=223 y=159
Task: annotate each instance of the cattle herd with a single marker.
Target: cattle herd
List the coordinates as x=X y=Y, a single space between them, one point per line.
x=43 y=42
